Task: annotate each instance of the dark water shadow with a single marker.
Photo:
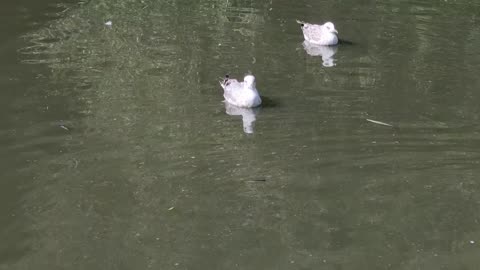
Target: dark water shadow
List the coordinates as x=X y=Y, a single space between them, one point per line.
x=345 y=42
x=268 y=102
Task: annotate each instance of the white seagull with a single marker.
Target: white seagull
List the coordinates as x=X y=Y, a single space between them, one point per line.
x=241 y=94
x=324 y=34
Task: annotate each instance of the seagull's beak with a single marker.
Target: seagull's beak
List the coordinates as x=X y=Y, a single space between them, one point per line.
x=335 y=31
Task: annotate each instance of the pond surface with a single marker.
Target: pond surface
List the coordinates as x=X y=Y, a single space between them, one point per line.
x=118 y=152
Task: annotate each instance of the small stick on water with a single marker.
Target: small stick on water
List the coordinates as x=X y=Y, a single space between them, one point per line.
x=379 y=123
x=257 y=180
x=76 y=163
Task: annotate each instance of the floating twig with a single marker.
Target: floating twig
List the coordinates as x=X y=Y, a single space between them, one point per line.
x=379 y=123
x=257 y=180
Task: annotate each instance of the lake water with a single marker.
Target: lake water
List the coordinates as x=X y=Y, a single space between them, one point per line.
x=118 y=152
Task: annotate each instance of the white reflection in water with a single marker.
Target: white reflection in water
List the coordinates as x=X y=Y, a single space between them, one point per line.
x=326 y=52
x=249 y=115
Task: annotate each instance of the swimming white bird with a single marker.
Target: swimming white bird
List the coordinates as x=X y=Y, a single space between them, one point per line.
x=242 y=94
x=324 y=34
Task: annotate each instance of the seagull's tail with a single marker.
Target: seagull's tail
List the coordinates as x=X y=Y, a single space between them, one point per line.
x=223 y=82
x=300 y=22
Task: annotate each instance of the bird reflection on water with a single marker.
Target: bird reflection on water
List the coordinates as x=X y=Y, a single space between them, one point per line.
x=326 y=52
x=249 y=116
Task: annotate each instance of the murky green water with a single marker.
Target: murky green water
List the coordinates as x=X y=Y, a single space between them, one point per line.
x=118 y=153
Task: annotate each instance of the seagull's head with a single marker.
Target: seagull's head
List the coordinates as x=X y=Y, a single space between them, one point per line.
x=330 y=27
x=249 y=80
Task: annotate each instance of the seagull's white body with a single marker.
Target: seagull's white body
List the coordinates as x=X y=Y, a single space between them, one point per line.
x=324 y=34
x=241 y=94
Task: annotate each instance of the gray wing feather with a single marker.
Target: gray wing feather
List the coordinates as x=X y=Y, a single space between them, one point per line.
x=231 y=90
x=312 y=32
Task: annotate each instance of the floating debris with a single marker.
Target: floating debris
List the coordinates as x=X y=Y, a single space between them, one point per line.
x=171 y=208
x=76 y=163
x=379 y=123
x=257 y=180
x=108 y=23
x=64 y=127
